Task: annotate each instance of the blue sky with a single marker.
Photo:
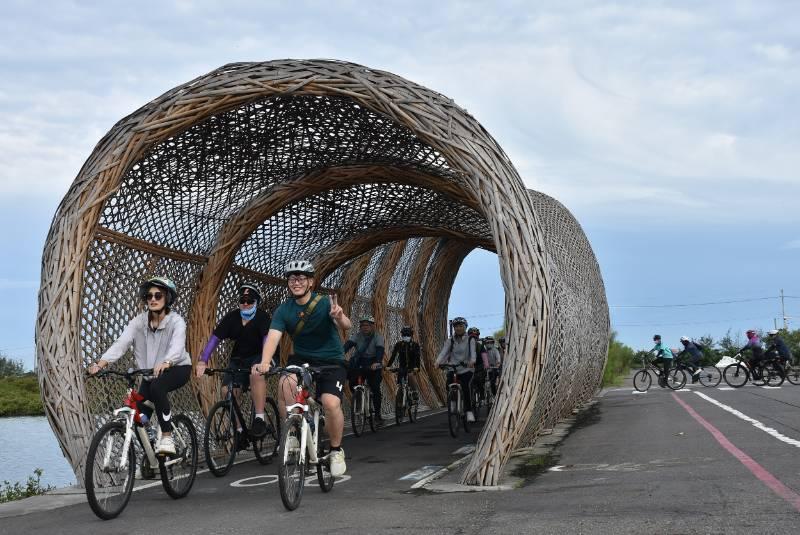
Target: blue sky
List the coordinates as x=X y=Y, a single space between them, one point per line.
x=668 y=128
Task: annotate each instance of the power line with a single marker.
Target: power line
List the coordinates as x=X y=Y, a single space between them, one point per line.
x=687 y=322
x=708 y=303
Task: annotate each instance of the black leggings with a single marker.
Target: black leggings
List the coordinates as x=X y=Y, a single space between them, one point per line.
x=157 y=390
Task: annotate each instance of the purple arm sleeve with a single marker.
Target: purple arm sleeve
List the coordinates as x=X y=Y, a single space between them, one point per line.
x=212 y=344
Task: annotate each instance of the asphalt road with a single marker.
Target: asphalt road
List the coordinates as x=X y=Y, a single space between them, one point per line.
x=659 y=462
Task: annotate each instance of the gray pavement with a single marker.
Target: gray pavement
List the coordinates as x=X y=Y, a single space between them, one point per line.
x=632 y=463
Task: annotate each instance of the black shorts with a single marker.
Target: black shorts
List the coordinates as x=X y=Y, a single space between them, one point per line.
x=240 y=378
x=328 y=382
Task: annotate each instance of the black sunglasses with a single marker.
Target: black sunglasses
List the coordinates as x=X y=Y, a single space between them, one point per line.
x=245 y=300
x=153 y=295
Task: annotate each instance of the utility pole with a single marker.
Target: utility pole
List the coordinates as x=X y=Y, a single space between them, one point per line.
x=783 y=312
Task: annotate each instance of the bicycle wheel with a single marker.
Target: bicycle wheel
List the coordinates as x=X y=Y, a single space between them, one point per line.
x=291 y=476
x=400 y=405
x=219 y=443
x=735 y=375
x=758 y=377
x=676 y=378
x=109 y=487
x=266 y=447
x=793 y=374
x=642 y=380
x=357 y=418
x=773 y=374
x=476 y=401
x=463 y=413
x=324 y=476
x=710 y=376
x=373 y=424
x=453 y=416
x=413 y=406
x=178 y=472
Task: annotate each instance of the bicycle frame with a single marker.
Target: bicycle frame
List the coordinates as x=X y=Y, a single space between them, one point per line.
x=305 y=404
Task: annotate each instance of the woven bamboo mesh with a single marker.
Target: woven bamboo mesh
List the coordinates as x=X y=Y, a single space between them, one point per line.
x=381 y=182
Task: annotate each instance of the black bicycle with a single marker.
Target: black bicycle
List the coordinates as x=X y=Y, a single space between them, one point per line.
x=455 y=404
x=675 y=378
x=111 y=461
x=223 y=439
x=709 y=376
x=407 y=399
x=767 y=372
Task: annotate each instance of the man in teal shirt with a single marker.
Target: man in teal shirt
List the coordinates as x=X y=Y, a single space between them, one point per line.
x=313 y=322
x=663 y=357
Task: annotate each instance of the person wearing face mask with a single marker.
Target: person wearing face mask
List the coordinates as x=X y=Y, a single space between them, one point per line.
x=248 y=327
x=407 y=353
x=367 y=360
x=460 y=350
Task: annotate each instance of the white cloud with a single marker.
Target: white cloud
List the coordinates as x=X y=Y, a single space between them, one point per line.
x=775 y=53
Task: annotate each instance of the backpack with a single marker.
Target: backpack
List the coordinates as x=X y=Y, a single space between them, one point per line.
x=699 y=346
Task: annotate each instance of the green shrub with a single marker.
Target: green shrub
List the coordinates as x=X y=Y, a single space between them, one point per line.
x=19 y=396
x=16 y=491
x=619 y=362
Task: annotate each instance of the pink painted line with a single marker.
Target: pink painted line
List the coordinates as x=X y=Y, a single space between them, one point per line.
x=759 y=471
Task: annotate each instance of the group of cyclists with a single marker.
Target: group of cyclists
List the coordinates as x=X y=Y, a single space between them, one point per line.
x=313 y=321
x=692 y=352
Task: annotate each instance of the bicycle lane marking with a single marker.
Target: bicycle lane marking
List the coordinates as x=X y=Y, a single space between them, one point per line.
x=758 y=425
x=756 y=469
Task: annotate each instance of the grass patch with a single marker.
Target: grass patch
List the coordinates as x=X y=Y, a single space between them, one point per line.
x=19 y=396
x=17 y=491
x=533 y=465
x=619 y=362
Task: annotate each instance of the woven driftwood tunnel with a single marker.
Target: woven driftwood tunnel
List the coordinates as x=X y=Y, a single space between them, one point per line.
x=385 y=184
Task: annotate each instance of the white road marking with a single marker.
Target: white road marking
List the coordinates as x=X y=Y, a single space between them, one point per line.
x=421 y=473
x=246 y=482
x=726 y=388
x=637 y=392
x=758 y=425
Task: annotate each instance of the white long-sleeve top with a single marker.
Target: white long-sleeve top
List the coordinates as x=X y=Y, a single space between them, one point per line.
x=152 y=347
x=463 y=352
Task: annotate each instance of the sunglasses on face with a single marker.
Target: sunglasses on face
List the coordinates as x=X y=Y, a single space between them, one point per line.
x=245 y=300
x=154 y=295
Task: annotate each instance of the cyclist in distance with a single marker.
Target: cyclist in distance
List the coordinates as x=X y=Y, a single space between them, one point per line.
x=694 y=357
x=502 y=348
x=366 y=360
x=777 y=345
x=757 y=352
x=664 y=357
x=460 y=350
x=494 y=362
x=407 y=353
x=312 y=320
x=481 y=363
x=158 y=338
x=247 y=326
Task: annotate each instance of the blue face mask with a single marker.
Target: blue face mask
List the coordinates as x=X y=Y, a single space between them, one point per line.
x=247 y=315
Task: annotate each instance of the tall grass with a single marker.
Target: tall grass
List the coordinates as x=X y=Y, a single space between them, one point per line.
x=19 y=396
x=620 y=360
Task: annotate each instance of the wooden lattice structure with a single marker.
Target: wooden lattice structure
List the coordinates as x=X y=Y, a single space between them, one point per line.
x=385 y=184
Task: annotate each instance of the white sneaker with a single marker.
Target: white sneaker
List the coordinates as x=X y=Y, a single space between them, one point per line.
x=336 y=462
x=470 y=416
x=165 y=446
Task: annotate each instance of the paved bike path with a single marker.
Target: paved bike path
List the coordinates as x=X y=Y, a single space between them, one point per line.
x=637 y=464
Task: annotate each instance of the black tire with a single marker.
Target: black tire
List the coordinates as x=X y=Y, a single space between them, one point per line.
x=178 y=472
x=758 y=371
x=219 y=443
x=413 y=406
x=292 y=473
x=774 y=374
x=710 y=376
x=108 y=491
x=676 y=379
x=400 y=405
x=266 y=447
x=452 y=412
x=357 y=418
x=476 y=400
x=793 y=374
x=324 y=476
x=642 y=381
x=373 y=424
x=736 y=375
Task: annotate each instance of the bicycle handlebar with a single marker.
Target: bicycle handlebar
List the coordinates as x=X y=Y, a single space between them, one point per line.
x=129 y=374
x=213 y=371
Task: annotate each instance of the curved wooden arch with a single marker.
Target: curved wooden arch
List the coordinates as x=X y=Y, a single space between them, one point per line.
x=453 y=142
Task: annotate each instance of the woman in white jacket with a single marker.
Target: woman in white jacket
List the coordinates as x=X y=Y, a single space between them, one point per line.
x=158 y=337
